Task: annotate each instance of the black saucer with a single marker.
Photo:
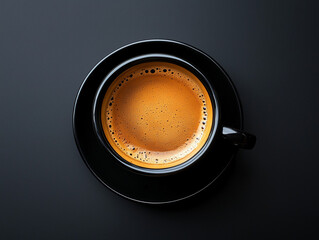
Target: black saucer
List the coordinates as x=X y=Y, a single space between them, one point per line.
x=142 y=187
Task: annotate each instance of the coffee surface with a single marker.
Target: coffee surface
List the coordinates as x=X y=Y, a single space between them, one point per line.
x=156 y=115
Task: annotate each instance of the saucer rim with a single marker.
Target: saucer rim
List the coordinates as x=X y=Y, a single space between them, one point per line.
x=238 y=102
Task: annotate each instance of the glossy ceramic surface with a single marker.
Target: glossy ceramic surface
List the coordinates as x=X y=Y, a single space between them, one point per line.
x=160 y=188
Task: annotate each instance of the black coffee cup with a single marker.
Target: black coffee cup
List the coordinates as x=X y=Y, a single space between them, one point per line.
x=220 y=132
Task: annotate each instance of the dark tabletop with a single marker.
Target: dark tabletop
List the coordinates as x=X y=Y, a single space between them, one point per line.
x=269 y=49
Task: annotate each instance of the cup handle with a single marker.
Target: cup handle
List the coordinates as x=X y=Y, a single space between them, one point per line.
x=239 y=138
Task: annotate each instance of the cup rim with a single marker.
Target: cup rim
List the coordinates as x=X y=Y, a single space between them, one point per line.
x=111 y=76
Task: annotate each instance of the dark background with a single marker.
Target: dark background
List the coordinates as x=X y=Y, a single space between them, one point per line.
x=269 y=49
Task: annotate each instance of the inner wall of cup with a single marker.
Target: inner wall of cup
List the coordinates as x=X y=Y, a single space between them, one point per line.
x=136 y=159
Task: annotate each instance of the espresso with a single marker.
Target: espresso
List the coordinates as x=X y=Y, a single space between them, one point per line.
x=156 y=115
